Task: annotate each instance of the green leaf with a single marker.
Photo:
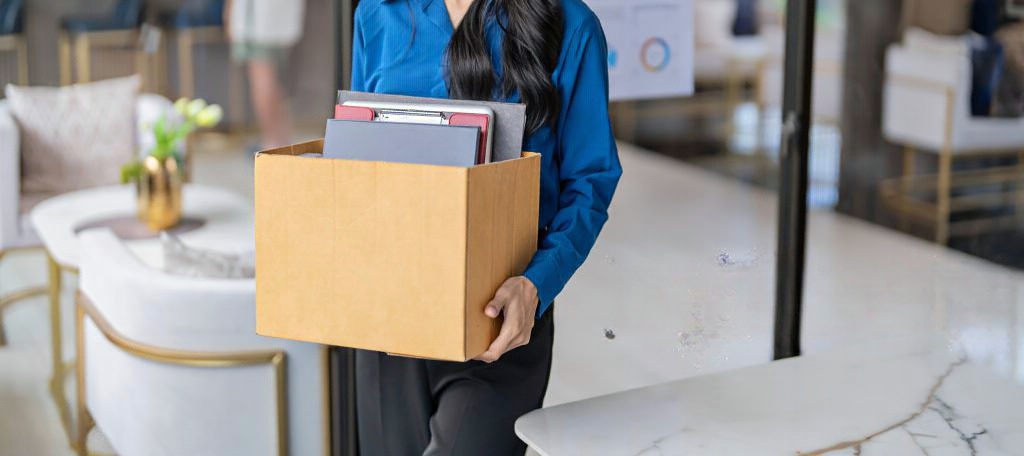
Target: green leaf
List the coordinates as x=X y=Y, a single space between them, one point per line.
x=131 y=171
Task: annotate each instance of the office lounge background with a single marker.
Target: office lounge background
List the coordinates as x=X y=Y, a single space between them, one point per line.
x=309 y=75
x=681 y=283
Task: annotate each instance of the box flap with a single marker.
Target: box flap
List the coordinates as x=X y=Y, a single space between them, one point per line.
x=315 y=146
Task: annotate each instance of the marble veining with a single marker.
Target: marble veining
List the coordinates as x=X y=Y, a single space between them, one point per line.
x=891 y=398
x=925 y=433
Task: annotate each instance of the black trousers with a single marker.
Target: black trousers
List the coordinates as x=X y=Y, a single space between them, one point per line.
x=412 y=407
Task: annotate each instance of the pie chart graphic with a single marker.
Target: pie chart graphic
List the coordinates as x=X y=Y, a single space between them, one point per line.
x=655 y=54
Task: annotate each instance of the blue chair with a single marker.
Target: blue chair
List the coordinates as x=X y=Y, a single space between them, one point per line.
x=195 y=14
x=117 y=29
x=126 y=15
x=196 y=22
x=12 y=20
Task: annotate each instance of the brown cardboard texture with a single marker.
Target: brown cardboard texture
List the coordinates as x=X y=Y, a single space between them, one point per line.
x=392 y=257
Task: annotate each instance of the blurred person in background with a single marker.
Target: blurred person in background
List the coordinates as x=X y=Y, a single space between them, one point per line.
x=262 y=32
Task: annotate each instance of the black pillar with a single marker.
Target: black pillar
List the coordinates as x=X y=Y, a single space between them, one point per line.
x=344 y=433
x=796 y=117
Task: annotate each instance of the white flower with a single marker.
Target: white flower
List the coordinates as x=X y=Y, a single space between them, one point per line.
x=181 y=105
x=195 y=107
x=209 y=116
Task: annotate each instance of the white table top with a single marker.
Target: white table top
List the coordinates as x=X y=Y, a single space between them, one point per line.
x=228 y=228
x=917 y=398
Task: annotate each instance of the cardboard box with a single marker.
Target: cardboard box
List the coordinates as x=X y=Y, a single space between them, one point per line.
x=392 y=257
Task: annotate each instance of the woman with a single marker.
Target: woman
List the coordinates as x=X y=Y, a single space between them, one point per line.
x=552 y=56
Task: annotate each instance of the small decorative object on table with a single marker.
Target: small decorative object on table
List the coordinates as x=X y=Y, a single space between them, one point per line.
x=158 y=176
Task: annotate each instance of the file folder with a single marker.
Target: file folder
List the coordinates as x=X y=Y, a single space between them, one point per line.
x=423 y=144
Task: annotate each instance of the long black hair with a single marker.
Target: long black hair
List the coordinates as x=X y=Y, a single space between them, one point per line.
x=533 y=31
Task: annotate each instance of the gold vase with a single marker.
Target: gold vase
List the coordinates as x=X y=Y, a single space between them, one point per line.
x=159 y=193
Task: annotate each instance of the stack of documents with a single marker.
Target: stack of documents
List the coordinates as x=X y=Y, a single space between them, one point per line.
x=425 y=131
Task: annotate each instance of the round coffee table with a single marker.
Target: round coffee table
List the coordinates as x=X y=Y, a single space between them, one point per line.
x=212 y=219
x=226 y=221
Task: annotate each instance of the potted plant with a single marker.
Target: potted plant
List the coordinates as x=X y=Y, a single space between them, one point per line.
x=158 y=176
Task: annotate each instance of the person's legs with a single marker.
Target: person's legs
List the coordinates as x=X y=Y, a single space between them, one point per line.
x=268 y=98
x=411 y=406
x=393 y=404
x=478 y=404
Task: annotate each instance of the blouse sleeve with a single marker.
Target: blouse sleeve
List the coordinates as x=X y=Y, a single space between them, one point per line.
x=358 y=80
x=588 y=165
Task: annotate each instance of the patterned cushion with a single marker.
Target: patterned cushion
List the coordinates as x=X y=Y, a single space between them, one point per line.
x=74 y=137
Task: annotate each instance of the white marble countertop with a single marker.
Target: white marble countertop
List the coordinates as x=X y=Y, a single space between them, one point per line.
x=681 y=285
x=899 y=398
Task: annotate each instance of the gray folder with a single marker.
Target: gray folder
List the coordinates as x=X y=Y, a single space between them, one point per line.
x=402 y=142
x=509 y=122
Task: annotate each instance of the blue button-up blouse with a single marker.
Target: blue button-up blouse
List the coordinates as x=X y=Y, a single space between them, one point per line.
x=399 y=48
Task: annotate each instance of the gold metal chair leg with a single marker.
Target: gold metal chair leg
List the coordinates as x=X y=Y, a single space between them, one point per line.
x=943 y=197
x=82 y=67
x=909 y=169
x=60 y=368
x=57 y=349
x=84 y=421
x=733 y=89
x=64 y=51
x=22 y=51
x=186 y=71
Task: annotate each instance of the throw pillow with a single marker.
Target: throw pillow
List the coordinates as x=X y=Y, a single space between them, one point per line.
x=180 y=259
x=74 y=137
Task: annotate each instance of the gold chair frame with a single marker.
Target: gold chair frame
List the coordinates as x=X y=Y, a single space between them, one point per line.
x=59 y=367
x=897 y=192
x=18 y=45
x=215 y=360
x=76 y=435
x=75 y=54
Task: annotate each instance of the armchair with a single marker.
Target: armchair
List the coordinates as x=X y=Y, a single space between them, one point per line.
x=197 y=22
x=170 y=365
x=16 y=231
x=927 y=109
x=119 y=28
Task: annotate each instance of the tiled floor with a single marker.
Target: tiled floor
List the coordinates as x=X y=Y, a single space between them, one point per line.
x=681 y=284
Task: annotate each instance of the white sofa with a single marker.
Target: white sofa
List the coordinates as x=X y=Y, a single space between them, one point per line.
x=172 y=365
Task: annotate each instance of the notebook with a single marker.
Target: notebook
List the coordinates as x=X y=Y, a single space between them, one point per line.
x=424 y=144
